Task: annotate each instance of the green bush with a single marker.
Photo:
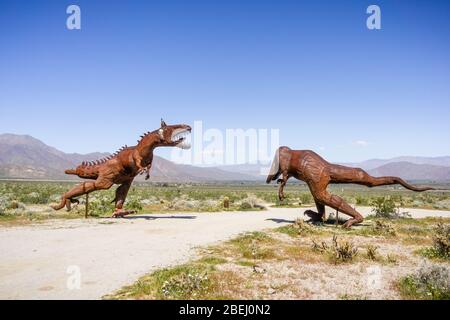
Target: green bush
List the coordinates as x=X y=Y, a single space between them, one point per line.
x=306 y=198
x=429 y=283
x=133 y=204
x=384 y=207
x=441 y=243
x=99 y=206
x=183 y=285
x=245 y=206
x=362 y=201
x=3 y=204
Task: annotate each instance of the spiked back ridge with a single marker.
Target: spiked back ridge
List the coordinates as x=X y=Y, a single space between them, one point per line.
x=115 y=154
x=103 y=160
x=144 y=135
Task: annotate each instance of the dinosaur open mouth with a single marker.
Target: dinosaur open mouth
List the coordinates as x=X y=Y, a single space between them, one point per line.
x=181 y=137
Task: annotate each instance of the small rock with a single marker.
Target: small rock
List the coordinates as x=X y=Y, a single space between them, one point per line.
x=271 y=291
x=258 y=269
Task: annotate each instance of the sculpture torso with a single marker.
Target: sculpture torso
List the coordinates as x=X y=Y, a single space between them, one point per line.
x=308 y=166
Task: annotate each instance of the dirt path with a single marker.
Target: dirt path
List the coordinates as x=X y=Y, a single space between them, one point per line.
x=35 y=260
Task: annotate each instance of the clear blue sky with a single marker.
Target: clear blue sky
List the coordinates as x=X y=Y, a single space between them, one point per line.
x=310 y=68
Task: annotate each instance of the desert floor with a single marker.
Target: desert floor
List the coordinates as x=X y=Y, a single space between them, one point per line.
x=40 y=261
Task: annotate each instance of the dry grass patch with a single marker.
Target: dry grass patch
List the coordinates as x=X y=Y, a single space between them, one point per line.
x=337 y=251
x=200 y=280
x=284 y=264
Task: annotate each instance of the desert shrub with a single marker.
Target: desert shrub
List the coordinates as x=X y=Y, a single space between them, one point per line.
x=16 y=205
x=362 y=201
x=441 y=240
x=441 y=243
x=133 y=203
x=186 y=285
x=430 y=283
x=251 y=202
x=298 y=228
x=253 y=245
x=372 y=253
x=3 y=204
x=390 y=258
x=226 y=202
x=183 y=204
x=100 y=205
x=385 y=207
x=338 y=251
x=382 y=228
x=188 y=281
x=306 y=198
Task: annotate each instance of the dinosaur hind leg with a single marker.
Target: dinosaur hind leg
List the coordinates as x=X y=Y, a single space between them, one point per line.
x=121 y=195
x=80 y=189
x=318 y=216
x=325 y=198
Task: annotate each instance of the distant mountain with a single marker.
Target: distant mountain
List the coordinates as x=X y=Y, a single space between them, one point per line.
x=22 y=156
x=409 y=168
x=375 y=163
x=166 y=171
x=253 y=170
x=412 y=171
x=25 y=157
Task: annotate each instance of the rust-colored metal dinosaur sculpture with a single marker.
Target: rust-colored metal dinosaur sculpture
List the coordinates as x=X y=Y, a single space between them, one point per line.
x=308 y=166
x=122 y=167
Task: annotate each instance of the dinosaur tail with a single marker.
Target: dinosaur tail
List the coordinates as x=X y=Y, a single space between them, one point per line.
x=409 y=186
x=275 y=170
x=87 y=170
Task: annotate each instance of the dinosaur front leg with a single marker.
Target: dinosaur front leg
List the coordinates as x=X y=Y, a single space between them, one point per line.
x=121 y=195
x=147 y=169
x=282 y=183
x=138 y=161
x=80 y=189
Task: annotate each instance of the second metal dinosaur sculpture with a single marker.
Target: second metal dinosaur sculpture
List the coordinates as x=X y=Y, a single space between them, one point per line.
x=318 y=173
x=122 y=167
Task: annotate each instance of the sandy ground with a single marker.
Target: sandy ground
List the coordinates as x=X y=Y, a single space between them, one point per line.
x=39 y=261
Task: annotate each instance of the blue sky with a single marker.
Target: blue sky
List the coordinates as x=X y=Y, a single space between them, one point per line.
x=310 y=68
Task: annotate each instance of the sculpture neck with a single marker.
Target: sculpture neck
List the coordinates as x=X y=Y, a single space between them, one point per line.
x=146 y=146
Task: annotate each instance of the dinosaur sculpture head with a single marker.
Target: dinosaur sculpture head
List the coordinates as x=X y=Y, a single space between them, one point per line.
x=174 y=135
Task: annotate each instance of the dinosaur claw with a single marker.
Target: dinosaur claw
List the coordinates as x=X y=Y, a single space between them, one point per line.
x=122 y=213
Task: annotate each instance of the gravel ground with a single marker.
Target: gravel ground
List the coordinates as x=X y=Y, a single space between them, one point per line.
x=42 y=261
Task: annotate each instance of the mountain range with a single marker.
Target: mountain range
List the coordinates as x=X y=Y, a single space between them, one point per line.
x=25 y=157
